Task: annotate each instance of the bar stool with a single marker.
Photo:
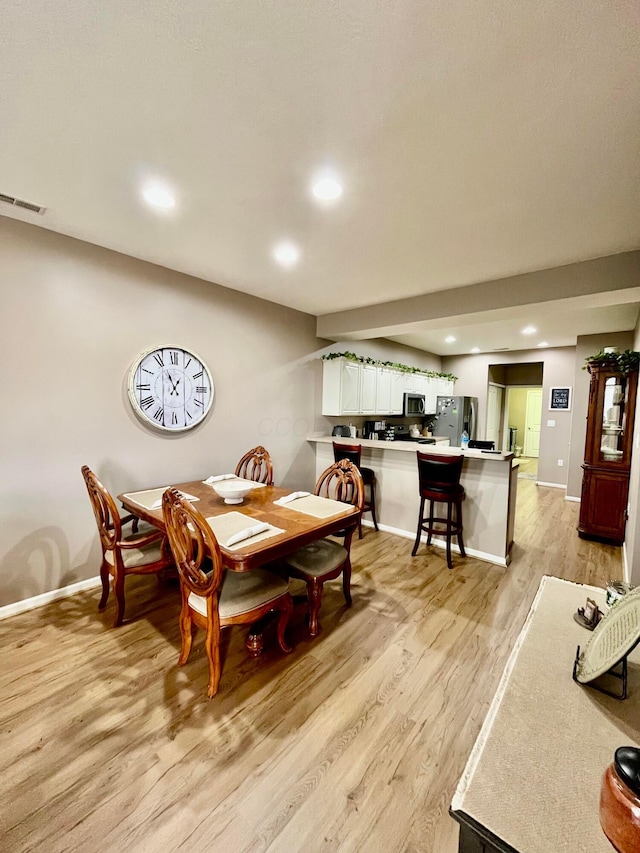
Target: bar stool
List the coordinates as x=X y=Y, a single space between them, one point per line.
x=353 y=453
x=440 y=483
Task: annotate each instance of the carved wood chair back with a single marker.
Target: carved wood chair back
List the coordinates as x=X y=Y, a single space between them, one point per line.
x=212 y=597
x=256 y=465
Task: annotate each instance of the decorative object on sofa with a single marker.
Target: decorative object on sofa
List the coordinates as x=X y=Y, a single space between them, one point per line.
x=608 y=445
x=620 y=800
x=170 y=388
x=589 y=615
x=615 y=591
x=615 y=636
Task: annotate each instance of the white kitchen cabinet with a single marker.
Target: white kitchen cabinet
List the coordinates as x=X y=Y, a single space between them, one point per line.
x=341 y=387
x=396 y=400
x=383 y=392
x=353 y=388
x=368 y=389
x=443 y=387
x=410 y=382
x=430 y=394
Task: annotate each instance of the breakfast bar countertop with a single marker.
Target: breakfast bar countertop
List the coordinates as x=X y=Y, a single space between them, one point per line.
x=489 y=481
x=404 y=446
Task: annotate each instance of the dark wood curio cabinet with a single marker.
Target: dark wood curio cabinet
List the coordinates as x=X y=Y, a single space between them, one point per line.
x=607 y=455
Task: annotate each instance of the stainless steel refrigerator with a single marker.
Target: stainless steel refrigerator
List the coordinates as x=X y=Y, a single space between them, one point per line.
x=453 y=415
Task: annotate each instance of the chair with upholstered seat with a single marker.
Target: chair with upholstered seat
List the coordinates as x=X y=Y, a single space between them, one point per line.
x=353 y=452
x=326 y=559
x=256 y=465
x=212 y=597
x=145 y=551
x=439 y=483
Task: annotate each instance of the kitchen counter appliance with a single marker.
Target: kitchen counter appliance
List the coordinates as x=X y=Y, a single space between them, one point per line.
x=414 y=404
x=375 y=430
x=341 y=431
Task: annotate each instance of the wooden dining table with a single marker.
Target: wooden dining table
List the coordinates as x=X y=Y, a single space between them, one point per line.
x=298 y=528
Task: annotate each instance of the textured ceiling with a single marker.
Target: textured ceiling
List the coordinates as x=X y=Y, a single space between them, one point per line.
x=476 y=140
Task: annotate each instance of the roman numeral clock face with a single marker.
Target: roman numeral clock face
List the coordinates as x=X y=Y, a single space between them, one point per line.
x=170 y=388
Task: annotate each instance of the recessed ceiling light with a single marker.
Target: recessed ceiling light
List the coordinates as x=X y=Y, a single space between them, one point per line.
x=158 y=196
x=286 y=254
x=327 y=189
x=529 y=330
x=449 y=339
x=543 y=344
x=475 y=349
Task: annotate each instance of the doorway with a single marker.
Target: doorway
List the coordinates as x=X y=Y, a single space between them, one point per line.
x=495 y=408
x=533 y=416
x=523 y=415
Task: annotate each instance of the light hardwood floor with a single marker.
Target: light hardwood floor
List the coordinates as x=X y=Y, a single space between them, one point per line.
x=354 y=742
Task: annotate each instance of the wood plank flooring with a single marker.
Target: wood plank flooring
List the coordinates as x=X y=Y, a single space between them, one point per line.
x=354 y=742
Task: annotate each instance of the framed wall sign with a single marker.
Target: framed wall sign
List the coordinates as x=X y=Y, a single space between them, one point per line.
x=560 y=399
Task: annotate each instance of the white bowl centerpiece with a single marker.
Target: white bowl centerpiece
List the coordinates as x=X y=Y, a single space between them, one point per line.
x=233 y=491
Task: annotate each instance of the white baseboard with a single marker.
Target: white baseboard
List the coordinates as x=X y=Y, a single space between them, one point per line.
x=551 y=485
x=48 y=597
x=440 y=543
x=571 y=498
x=626 y=573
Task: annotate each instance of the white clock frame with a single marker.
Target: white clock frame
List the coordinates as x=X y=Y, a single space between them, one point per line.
x=160 y=374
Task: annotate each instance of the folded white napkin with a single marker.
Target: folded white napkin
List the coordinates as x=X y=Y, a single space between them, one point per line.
x=247 y=533
x=191 y=498
x=292 y=497
x=219 y=477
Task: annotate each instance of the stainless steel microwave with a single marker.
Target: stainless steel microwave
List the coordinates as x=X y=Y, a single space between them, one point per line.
x=413 y=404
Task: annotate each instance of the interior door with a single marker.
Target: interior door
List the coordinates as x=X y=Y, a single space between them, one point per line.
x=532 y=422
x=494 y=414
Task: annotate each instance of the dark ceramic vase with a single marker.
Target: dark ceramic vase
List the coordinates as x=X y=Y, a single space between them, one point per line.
x=620 y=800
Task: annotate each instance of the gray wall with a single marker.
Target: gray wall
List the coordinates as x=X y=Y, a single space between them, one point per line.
x=74 y=317
x=586 y=345
x=558 y=369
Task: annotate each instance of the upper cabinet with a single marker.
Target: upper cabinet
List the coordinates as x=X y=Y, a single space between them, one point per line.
x=368 y=389
x=356 y=388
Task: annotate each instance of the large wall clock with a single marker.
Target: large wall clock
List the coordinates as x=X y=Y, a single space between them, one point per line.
x=170 y=388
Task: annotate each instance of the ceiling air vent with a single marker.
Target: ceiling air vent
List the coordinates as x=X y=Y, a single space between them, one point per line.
x=20 y=202
x=500 y=349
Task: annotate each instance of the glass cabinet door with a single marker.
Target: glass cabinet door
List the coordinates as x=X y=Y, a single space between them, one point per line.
x=613 y=411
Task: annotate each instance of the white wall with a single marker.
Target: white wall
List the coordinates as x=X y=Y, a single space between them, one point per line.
x=558 y=369
x=74 y=317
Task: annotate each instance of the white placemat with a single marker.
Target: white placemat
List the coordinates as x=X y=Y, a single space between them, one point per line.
x=152 y=498
x=230 y=523
x=318 y=507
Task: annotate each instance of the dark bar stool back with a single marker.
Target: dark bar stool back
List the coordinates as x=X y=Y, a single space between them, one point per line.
x=439 y=478
x=353 y=452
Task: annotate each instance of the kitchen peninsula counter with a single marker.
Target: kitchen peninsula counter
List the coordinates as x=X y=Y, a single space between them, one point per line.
x=489 y=480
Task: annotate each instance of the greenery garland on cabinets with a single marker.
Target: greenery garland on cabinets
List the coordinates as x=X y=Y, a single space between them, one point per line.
x=394 y=365
x=626 y=362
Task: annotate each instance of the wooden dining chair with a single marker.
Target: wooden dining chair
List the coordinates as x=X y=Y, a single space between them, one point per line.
x=213 y=597
x=353 y=452
x=144 y=551
x=256 y=465
x=326 y=559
